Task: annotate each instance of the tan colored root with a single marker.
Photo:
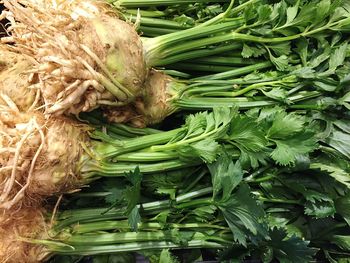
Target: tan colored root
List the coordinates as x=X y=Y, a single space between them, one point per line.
x=20 y=194
x=61 y=36
x=127 y=114
x=152 y=107
x=9 y=182
x=15 y=225
x=41 y=156
x=155 y=104
x=15 y=81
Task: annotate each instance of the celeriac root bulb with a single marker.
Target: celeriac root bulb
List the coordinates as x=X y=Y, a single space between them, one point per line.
x=85 y=56
x=15 y=84
x=154 y=104
x=156 y=101
x=38 y=157
x=27 y=222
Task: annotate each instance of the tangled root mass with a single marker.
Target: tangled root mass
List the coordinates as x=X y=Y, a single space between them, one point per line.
x=85 y=56
x=38 y=157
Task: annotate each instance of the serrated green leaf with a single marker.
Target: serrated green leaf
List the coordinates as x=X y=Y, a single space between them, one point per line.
x=234 y=254
x=249 y=14
x=280 y=62
x=207 y=149
x=289 y=249
x=279 y=13
x=280 y=49
x=341 y=241
x=249 y=139
x=320 y=208
x=302 y=46
x=132 y=196
x=116 y=195
x=246 y=134
x=321 y=56
x=196 y=124
x=326 y=84
x=167 y=257
x=205 y=213
x=243 y=215
x=305 y=73
x=292 y=13
x=340 y=141
x=304 y=17
x=225 y=176
x=287 y=151
x=337 y=57
x=322 y=10
x=276 y=94
x=181 y=237
x=285 y=125
x=169 y=191
x=339 y=174
x=134 y=218
x=223 y=115
x=135 y=177
x=185 y=20
x=343 y=125
x=250 y=51
x=264 y=13
x=151 y=255
x=342 y=206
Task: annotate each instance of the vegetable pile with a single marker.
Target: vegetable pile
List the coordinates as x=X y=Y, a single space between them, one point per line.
x=175 y=129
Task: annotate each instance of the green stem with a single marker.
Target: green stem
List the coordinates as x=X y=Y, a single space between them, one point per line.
x=159 y=23
x=224 y=61
x=251 y=178
x=122 y=237
x=155 y=32
x=194 y=203
x=185 y=141
x=219 y=17
x=200 y=53
x=194 y=194
x=281 y=201
x=246 y=89
x=134 y=144
x=161 y=47
x=156 y=205
x=97 y=169
x=147 y=3
x=243 y=103
x=210 y=103
x=132 y=247
x=144 y=157
x=264 y=178
x=146 y=13
x=239 y=8
x=117 y=128
x=124 y=224
x=194 y=67
x=70 y=217
x=237 y=72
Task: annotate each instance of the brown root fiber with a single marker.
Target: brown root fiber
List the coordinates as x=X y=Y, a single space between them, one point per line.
x=127 y=114
x=27 y=222
x=15 y=82
x=85 y=56
x=38 y=157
